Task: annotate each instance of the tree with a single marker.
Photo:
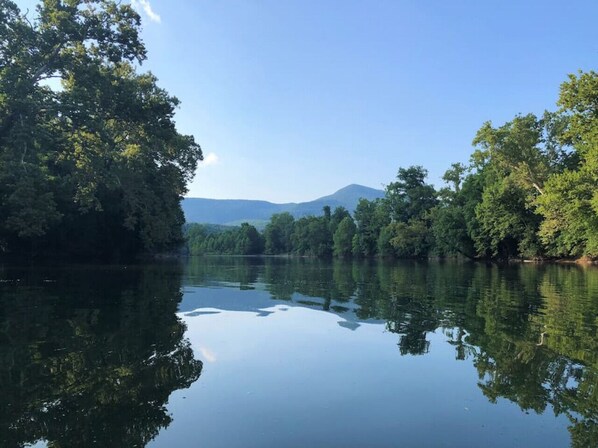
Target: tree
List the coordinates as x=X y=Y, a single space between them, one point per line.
x=337 y=216
x=100 y=154
x=411 y=239
x=409 y=196
x=508 y=226
x=249 y=241
x=410 y=202
x=516 y=159
x=278 y=233
x=528 y=149
x=570 y=211
x=370 y=218
x=570 y=205
x=311 y=236
x=343 y=237
x=454 y=218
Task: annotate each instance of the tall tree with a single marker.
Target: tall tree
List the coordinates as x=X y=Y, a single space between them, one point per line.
x=370 y=218
x=337 y=216
x=453 y=220
x=278 y=233
x=516 y=160
x=409 y=196
x=527 y=149
x=570 y=205
x=343 y=237
x=410 y=202
x=100 y=153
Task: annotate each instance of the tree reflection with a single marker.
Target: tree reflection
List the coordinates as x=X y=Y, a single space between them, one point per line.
x=90 y=358
x=530 y=331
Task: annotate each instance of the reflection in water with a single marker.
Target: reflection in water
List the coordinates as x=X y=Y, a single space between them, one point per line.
x=89 y=357
x=530 y=331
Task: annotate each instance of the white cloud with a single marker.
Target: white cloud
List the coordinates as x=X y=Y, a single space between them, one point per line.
x=209 y=159
x=144 y=5
x=207 y=354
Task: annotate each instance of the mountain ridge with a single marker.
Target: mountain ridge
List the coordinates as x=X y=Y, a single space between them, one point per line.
x=234 y=211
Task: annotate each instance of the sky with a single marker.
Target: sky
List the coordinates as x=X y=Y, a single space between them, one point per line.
x=292 y=100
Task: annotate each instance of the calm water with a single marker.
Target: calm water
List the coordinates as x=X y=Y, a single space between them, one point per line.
x=273 y=353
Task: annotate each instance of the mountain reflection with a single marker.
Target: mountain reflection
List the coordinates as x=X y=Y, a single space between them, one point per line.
x=89 y=356
x=530 y=331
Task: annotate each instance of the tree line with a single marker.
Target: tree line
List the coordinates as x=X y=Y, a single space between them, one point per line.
x=91 y=163
x=530 y=190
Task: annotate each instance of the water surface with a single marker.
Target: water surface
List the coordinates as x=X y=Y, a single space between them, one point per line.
x=234 y=352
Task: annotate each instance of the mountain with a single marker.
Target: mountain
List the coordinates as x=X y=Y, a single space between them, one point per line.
x=236 y=211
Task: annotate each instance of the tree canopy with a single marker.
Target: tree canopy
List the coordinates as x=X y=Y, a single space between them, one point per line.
x=91 y=161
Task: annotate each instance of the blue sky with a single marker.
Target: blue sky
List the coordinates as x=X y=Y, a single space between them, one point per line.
x=292 y=100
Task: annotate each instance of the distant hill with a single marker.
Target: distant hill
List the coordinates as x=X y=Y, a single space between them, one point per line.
x=236 y=211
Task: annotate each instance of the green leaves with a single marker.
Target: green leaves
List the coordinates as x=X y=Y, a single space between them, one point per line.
x=101 y=151
x=569 y=207
x=343 y=238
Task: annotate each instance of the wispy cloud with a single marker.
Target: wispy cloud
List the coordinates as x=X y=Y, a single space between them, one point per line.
x=207 y=354
x=144 y=5
x=209 y=159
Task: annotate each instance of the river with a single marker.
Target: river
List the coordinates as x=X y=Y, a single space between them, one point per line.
x=276 y=352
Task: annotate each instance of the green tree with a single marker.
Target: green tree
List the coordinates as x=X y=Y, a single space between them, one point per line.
x=508 y=226
x=337 y=216
x=570 y=205
x=515 y=161
x=454 y=176
x=410 y=202
x=409 y=196
x=454 y=217
x=278 y=233
x=102 y=153
x=249 y=241
x=311 y=236
x=527 y=149
x=411 y=239
x=383 y=246
x=370 y=217
x=343 y=238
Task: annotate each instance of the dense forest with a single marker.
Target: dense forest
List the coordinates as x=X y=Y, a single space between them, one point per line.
x=530 y=190
x=91 y=163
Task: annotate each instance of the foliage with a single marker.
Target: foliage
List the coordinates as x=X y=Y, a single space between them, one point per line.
x=409 y=196
x=370 y=218
x=508 y=226
x=410 y=202
x=570 y=205
x=101 y=152
x=527 y=149
x=278 y=234
x=411 y=239
x=312 y=237
x=243 y=240
x=343 y=238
